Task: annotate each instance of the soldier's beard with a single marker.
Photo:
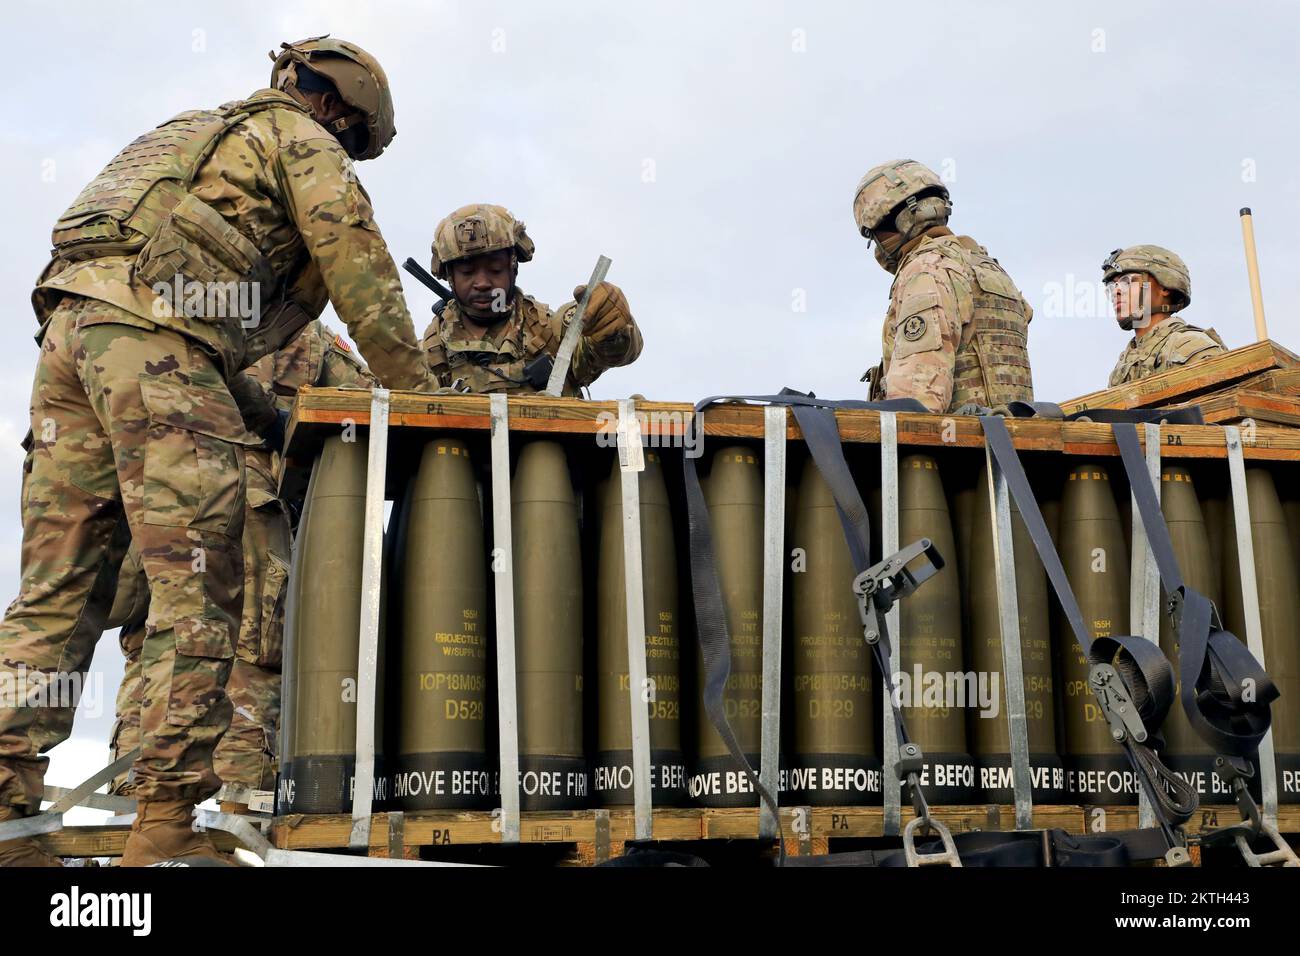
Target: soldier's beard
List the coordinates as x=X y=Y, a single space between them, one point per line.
x=501 y=307
x=1125 y=322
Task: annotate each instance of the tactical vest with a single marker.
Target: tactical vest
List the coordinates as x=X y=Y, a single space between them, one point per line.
x=140 y=203
x=992 y=362
x=502 y=367
x=1171 y=344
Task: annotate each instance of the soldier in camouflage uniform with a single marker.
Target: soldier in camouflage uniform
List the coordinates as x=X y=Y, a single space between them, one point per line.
x=245 y=757
x=957 y=328
x=492 y=337
x=203 y=246
x=1148 y=285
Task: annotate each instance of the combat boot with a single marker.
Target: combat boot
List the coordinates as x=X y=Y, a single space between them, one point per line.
x=24 y=851
x=163 y=830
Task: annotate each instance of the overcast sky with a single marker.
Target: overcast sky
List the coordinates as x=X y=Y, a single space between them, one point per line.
x=711 y=150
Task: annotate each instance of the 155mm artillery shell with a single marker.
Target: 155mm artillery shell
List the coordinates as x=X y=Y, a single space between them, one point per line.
x=836 y=759
x=662 y=696
x=317 y=775
x=934 y=686
x=1278 y=584
x=1185 y=752
x=547 y=559
x=733 y=492
x=1095 y=556
x=442 y=747
x=990 y=737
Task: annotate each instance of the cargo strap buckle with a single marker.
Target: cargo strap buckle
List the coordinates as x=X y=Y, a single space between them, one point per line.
x=888 y=581
x=1116 y=703
x=945 y=857
x=1281 y=855
x=910 y=763
x=1237 y=772
x=877 y=589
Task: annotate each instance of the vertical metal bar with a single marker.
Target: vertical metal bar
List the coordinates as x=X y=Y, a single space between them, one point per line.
x=1144 y=581
x=631 y=464
x=1013 y=671
x=503 y=565
x=372 y=563
x=1151 y=610
x=1250 y=603
x=889 y=544
x=774 y=427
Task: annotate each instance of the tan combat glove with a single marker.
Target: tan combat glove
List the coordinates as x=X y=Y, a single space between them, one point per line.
x=607 y=312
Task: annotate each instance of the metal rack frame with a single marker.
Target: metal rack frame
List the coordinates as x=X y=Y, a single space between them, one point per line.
x=1144 y=598
x=1272 y=444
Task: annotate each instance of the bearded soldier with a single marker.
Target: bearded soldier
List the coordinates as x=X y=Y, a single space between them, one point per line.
x=492 y=337
x=956 y=332
x=245 y=757
x=203 y=246
x=1148 y=285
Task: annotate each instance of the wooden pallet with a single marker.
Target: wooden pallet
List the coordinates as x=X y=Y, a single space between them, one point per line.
x=109 y=840
x=457 y=828
x=1240 y=405
x=320 y=412
x=1278 y=382
x=1181 y=384
x=807 y=830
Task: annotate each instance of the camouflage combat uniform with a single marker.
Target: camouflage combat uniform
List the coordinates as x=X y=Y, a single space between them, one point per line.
x=245 y=756
x=135 y=423
x=956 y=330
x=1170 y=344
x=496 y=362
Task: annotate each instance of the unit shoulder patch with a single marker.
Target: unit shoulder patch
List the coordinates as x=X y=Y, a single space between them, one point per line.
x=914 y=327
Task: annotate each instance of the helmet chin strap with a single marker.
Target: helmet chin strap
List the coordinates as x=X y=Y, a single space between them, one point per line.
x=888 y=256
x=289 y=84
x=914 y=218
x=1129 y=321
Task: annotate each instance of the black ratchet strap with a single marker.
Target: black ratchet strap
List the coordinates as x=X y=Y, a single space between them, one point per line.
x=1130 y=677
x=816 y=418
x=1185 y=415
x=1225 y=692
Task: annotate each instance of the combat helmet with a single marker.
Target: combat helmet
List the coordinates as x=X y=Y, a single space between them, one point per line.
x=357 y=76
x=894 y=190
x=890 y=185
x=1167 y=268
x=477 y=229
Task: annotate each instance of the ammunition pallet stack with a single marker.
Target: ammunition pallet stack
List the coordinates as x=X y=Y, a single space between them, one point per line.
x=1259 y=382
x=399 y=423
